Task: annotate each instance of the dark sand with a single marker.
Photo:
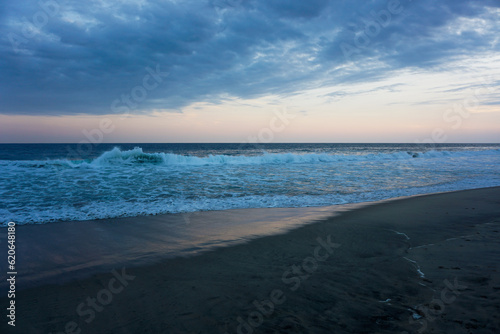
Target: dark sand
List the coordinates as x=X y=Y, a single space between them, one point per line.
x=60 y=252
x=428 y=264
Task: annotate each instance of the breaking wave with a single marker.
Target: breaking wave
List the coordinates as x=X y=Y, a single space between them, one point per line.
x=138 y=156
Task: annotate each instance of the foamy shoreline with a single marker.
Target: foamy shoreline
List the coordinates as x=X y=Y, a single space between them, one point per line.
x=429 y=258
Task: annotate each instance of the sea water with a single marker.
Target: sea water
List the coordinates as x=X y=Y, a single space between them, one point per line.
x=41 y=183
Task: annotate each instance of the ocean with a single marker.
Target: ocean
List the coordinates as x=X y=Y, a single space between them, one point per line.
x=43 y=183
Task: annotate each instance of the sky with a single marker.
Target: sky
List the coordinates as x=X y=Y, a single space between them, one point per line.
x=423 y=71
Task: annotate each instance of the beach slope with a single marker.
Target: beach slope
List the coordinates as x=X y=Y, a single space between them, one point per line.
x=421 y=264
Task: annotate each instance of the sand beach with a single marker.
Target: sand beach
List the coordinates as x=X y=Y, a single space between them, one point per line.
x=425 y=264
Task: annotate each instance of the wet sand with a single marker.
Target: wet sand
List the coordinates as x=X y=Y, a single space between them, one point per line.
x=422 y=264
x=64 y=251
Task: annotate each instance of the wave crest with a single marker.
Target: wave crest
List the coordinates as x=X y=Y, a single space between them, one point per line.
x=137 y=156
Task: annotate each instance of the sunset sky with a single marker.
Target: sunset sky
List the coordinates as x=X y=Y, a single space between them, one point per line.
x=250 y=70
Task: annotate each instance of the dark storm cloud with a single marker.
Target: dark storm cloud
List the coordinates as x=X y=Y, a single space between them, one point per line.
x=98 y=57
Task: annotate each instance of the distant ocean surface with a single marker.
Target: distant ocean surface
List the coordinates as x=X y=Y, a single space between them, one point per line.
x=41 y=183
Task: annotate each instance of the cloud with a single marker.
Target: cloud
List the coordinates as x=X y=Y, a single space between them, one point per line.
x=64 y=57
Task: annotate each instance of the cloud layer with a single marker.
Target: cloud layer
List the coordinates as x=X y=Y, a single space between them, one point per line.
x=101 y=57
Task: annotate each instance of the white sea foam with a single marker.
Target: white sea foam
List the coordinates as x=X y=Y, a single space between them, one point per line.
x=137 y=156
x=121 y=183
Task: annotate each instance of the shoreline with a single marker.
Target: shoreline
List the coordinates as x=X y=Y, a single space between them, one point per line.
x=63 y=251
x=70 y=250
x=393 y=261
